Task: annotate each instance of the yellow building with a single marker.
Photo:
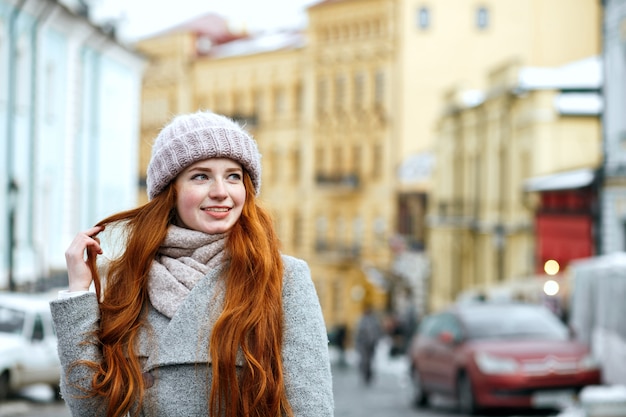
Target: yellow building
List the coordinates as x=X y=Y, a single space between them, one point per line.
x=269 y=89
x=440 y=43
x=527 y=124
x=340 y=110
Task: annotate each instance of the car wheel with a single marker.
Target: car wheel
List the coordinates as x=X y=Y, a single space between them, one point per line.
x=420 y=397
x=465 y=395
x=4 y=386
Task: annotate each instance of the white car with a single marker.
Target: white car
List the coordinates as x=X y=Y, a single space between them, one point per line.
x=28 y=343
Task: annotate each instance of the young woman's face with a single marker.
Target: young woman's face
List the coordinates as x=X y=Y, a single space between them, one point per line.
x=210 y=195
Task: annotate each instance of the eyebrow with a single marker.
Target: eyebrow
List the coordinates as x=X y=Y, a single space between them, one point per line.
x=208 y=169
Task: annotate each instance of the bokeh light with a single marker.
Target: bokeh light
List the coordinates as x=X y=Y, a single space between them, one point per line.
x=551 y=287
x=551 y=267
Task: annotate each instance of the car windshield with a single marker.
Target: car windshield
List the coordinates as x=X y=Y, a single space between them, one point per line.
x=11 y=320
x=513 y=322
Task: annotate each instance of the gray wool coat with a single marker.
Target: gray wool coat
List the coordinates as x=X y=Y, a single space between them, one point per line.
x=174 y=354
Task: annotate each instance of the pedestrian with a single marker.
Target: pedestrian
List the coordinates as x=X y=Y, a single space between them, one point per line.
x=200 y=314
x=368 y=334
x=340 y=335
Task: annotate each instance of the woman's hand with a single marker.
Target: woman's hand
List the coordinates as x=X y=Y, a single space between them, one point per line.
x=78 y=271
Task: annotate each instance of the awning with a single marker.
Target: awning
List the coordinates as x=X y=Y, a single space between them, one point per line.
x=568 y=180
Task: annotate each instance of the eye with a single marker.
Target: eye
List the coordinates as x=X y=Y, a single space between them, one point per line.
x=235 y=176
x=200 y=177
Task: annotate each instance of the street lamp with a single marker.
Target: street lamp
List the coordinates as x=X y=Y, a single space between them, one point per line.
x=13 y=191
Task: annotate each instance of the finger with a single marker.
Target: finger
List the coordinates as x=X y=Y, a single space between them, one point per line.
x=93 y=232
x=92 y=246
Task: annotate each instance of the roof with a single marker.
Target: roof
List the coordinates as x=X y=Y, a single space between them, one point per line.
x=268 y=42
x=209 y=25
x=585 y=74
x=325 y=2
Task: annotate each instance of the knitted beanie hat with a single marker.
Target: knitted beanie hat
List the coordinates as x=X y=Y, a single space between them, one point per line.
x=190 y=138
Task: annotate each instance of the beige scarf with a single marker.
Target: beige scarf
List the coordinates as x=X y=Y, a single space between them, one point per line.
x=185 y=256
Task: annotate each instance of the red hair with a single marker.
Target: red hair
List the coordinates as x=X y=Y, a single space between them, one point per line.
x=251 y=321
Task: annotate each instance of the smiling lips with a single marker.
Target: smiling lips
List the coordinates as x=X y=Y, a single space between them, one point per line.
x=217 y=212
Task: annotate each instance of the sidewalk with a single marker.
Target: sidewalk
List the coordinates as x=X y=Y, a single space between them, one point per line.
x=383 y=362
x=388 y=395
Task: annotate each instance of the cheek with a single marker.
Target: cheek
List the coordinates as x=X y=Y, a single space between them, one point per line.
x=186 y=200
x=240 y=196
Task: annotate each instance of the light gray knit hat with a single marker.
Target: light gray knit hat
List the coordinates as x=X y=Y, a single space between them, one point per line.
x=190 y=138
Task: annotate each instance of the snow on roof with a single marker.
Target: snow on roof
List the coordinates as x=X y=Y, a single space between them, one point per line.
x=578 y=75
x=267 y=42
x=472 y=98
x=568 y=180
x=579 y=104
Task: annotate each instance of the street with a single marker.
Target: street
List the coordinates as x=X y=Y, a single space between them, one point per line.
x=389 y=394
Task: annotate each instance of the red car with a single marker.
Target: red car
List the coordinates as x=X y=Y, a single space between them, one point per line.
x=492 y=355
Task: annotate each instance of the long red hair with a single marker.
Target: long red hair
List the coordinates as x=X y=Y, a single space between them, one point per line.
x=251 y=321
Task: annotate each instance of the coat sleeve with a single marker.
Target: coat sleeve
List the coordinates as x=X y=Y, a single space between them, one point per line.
x=75 y=319
x=306 y=360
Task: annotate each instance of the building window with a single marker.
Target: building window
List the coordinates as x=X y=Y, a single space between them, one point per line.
x=50 y=86
x=357 y=158
x=341 y=232
x=377 y=162
x=423 y=18
x=279 y=101
x=482 y=18
x=299 y=99
x=258 y=103
x=379 y=88
x=337 y=157
x=297 y=230
x=239 y=103
x=320 y=155
x=338 y=296
x=359 y=90
x=296 y=163
x=322 y=95
x=321 y=227
x=358 y=233
x=340 y=92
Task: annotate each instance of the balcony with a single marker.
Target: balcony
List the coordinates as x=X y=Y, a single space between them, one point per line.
x=337 y=253
x=340 y=182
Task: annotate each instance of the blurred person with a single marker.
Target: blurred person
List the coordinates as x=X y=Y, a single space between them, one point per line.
x=340 y=335
x=368 y=334
x=200 y=315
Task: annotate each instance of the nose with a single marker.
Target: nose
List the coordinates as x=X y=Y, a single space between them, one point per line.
x=218 y=190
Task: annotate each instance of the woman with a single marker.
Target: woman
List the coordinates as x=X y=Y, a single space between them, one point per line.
x=200 y=315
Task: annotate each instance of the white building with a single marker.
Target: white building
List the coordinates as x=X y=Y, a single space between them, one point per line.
x=69 y=128
x=613 y=193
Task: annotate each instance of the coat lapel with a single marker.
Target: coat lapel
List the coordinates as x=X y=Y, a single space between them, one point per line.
x=185 y=338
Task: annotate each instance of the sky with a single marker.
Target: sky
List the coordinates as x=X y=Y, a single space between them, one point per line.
x=140 y=18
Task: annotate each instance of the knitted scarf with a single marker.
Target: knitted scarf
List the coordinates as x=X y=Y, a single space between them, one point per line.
x=185 y=256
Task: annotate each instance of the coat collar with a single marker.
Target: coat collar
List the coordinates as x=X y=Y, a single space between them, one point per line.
x=185 y=338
